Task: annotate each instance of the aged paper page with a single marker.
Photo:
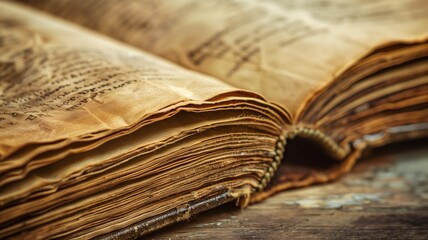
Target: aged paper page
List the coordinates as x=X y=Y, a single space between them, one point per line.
x=60 y=84
x=284 y=50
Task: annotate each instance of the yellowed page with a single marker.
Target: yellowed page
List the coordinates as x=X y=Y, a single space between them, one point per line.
x=61 y=82
x=284 y=50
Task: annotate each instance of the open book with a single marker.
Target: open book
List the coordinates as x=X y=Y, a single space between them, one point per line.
x=195 y=104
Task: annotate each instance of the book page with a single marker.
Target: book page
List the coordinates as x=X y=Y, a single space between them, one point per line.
x=284 y=50
x=63 y=83
x=375 y=13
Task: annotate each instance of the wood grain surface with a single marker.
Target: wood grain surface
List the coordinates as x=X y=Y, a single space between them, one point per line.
x=384 y=197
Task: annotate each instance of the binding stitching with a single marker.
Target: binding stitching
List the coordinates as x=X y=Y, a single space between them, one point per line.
x=326 y=142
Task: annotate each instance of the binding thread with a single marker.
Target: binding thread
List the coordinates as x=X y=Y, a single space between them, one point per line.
x=277 y=157
x=329 y=145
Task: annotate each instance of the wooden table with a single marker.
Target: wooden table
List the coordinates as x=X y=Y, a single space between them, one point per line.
x=384 y=197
